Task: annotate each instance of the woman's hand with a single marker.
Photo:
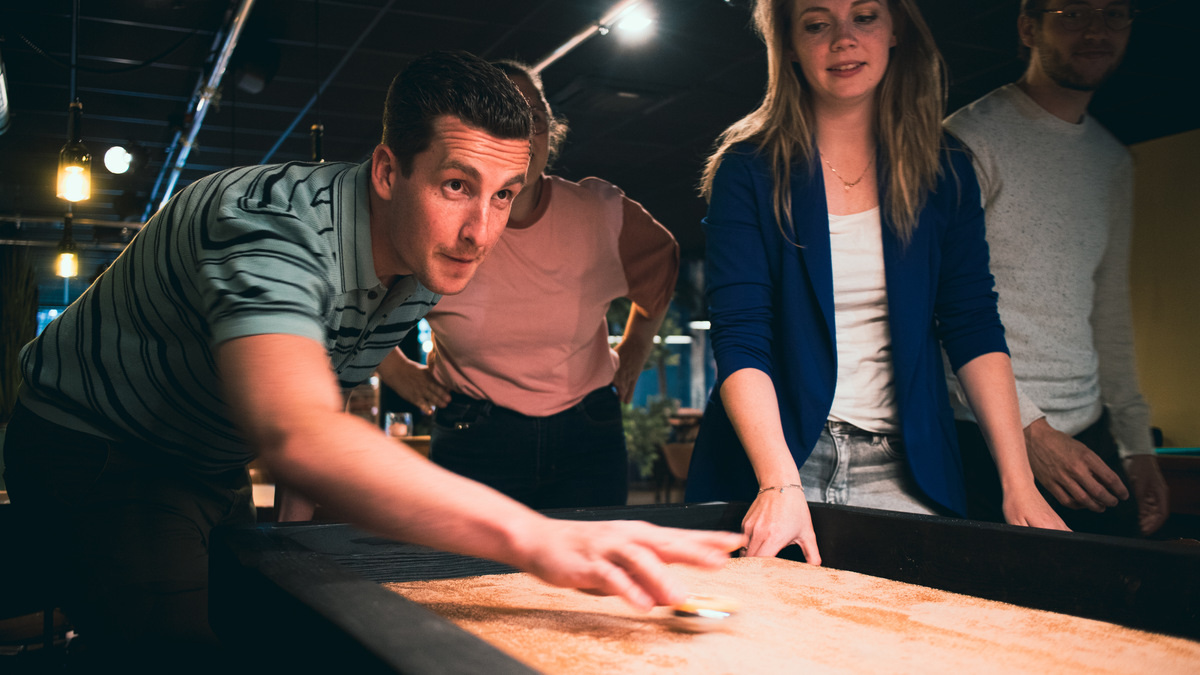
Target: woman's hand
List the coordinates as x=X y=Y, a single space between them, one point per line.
x=779 y=518
x=420 y=389
x=1027 y=507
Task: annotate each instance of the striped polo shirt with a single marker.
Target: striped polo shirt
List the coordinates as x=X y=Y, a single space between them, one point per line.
x=257 y=250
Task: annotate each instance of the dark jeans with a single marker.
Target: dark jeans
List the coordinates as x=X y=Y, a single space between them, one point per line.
x=984 y=496
x=126 y=535
x=574 y=458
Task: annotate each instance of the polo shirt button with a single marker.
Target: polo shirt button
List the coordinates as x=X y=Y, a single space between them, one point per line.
x=372 y=295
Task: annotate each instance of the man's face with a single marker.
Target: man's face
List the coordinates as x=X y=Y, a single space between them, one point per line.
x=1081 y=59
x=442 y=220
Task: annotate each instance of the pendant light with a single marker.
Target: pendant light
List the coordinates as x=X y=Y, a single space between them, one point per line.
x=67 y=265
x=318 y=129
x=74 y=161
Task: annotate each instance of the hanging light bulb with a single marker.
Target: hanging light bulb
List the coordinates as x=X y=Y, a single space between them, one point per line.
x=67 y=265
x=318 y=137
x=74 y=160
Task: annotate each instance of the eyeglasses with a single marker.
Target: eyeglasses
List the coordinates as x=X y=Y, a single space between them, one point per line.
x=1078 y=17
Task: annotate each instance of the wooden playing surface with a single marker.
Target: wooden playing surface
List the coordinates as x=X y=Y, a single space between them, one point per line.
x=794 y=618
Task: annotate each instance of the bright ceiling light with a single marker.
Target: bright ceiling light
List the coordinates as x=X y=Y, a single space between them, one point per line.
x=635 y=23
x=74 y=161
x=67 y=264
x=117 y=159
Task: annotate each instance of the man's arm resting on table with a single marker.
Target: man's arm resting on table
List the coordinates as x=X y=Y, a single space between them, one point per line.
x=287 y=404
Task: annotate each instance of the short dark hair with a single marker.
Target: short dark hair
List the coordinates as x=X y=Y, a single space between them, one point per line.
x=454 y=83
x=1033 y=9
x=556 y=123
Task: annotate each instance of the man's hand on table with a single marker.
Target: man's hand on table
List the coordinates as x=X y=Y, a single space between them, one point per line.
x=623 y=558
x=1070 y=471
x=1149 y=490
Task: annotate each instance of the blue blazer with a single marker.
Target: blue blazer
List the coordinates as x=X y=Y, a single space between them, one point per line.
x=771 y=307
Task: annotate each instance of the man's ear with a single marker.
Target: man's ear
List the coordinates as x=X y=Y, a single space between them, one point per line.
x=1027 y=30
x=385 y=171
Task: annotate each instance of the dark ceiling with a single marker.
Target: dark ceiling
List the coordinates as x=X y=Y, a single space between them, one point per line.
x=642 y=116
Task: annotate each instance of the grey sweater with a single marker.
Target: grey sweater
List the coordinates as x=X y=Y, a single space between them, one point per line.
x=1059 y=220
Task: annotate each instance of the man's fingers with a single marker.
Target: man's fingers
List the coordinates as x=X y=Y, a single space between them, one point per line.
x=1153 y=510
x=1079 y=498
x=654 y=584
x=703 y=549
x=1099 y=493
x=611 y=579
x=1062 y=496
x=1111 y=482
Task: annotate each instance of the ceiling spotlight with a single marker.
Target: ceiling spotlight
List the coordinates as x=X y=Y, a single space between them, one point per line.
x=629 y=17
x=117 y=159
x=636 y=22
x=74 y=160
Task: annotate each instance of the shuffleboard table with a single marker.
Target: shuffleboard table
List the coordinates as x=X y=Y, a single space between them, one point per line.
x=313 y=595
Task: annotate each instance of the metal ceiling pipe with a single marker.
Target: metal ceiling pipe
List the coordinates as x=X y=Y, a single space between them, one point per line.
x=202 y=96
x=20 y=220
x=602 y=26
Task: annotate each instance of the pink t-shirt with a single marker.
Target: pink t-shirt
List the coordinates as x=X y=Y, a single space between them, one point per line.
x=529 y=331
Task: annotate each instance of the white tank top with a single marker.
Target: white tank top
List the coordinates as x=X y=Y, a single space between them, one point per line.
x=864 y=395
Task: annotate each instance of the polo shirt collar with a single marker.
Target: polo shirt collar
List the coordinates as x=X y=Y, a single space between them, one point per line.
x=354 y=225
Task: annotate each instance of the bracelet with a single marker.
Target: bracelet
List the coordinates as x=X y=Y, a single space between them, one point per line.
x=780 y=488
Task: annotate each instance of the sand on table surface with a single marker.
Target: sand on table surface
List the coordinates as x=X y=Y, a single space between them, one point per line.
x=794 y=618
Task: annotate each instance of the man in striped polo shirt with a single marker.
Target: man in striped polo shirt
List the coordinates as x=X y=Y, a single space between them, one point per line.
x=226 y=330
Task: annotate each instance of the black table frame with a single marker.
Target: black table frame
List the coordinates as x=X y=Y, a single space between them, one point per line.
x=303 y=595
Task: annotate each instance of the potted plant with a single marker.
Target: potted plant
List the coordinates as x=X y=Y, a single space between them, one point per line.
x=646 y=430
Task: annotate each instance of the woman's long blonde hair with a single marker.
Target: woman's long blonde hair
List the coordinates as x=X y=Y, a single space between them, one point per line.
x=910 y=103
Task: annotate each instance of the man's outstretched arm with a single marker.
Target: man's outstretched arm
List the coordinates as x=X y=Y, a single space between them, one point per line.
x=286 y=402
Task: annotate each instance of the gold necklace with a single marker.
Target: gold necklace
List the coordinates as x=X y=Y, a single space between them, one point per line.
x=846 y=186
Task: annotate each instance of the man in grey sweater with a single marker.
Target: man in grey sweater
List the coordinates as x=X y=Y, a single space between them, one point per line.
x=1058 y=189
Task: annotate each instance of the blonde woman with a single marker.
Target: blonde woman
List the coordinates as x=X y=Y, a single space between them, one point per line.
x=845 y=251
